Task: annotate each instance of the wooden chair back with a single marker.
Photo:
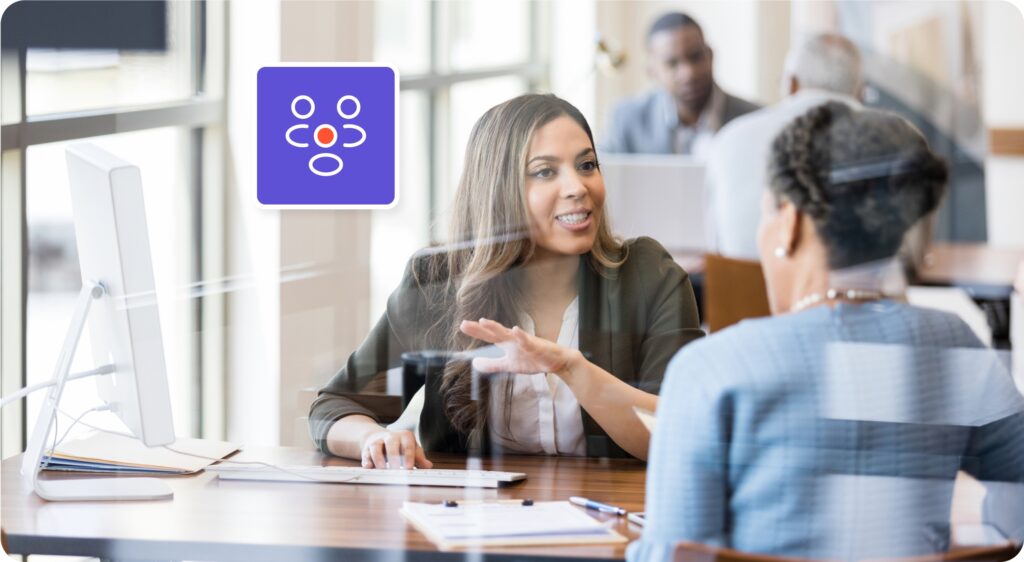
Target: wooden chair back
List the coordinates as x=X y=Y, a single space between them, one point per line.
x=997 y=553
x=695 y=552
x=733 y=290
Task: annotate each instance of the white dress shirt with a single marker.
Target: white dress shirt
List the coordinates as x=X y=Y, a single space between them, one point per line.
x=545 y=417
x=695 y=140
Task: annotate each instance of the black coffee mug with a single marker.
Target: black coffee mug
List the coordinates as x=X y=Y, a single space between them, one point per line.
x=416 y=367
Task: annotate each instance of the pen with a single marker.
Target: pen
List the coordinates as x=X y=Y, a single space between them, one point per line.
x=602 y=507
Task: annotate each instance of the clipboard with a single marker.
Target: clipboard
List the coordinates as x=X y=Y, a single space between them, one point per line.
x=506 y=523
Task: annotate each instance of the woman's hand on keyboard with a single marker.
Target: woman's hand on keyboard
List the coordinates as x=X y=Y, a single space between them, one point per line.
x=398 y=447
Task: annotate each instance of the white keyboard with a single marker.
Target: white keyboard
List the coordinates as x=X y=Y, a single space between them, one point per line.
x=358 y=475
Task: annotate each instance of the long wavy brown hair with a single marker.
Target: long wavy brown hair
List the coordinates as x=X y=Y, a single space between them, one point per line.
x=490 y=235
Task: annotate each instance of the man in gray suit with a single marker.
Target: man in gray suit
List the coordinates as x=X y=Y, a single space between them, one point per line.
x=687 y=108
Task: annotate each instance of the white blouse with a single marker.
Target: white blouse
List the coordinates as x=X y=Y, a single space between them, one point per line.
x=545 y=417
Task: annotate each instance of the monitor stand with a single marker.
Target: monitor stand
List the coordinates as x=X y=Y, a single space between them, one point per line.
x=84 y=489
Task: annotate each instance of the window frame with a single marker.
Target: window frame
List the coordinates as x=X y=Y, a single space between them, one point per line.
x=437 y=81
x=203 y=115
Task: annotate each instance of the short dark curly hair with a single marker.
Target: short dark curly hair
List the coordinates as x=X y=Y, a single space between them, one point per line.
x=863 y=176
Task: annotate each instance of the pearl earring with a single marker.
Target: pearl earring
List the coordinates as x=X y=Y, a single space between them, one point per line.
x=780 y=252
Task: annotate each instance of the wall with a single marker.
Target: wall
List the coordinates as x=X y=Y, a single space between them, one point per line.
x=1003 y=91
x=571 y=47
x=299 y=280
x=325 y=306
x=253 y=306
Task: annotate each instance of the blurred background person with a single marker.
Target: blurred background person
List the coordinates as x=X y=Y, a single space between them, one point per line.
x=686 y=108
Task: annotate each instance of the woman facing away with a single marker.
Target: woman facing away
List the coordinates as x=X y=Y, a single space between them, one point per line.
x=586 y=323
x=835 y=428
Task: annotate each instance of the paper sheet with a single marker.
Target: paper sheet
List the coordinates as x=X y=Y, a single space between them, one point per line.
x=507 y=523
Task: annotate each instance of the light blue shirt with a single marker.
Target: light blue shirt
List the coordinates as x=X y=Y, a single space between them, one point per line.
x=832 y=433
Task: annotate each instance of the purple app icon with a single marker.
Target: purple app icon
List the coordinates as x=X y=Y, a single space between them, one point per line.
x=326 y=136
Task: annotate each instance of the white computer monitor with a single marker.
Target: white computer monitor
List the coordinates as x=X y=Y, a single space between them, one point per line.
x=658 y=195
x=119 y=305
x=124 y=328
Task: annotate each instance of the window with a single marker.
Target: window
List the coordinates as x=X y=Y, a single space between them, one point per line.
x=463 y=54
x=162 y=156
x=160 y=109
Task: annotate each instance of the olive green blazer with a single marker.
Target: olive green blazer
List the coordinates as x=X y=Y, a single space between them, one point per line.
x=632 y=320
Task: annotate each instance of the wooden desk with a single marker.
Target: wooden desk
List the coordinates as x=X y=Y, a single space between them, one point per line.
x=278 y=521
x=251 y=521
x=985 y=272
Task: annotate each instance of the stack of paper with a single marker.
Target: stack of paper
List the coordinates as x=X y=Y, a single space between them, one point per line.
x=507 y=523
x=100 y=451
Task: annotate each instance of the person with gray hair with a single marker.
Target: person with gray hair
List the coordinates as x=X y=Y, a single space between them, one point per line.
x=824 y=62
x=823 y=67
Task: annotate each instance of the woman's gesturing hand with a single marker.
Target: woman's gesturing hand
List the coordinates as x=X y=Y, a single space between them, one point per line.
x=393 y=449
x=524 y=353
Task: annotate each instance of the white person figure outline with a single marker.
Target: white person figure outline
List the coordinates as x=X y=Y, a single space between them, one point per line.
x=325 y=135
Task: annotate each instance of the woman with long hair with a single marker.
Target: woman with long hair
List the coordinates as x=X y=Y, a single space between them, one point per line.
x=585 y=324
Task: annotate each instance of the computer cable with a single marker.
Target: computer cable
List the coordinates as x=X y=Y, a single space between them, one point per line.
x=102 y=370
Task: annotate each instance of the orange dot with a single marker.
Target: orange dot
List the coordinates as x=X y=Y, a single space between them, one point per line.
x=325 y=135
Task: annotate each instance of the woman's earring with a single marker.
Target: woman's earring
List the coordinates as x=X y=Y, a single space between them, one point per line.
x=780 y=252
